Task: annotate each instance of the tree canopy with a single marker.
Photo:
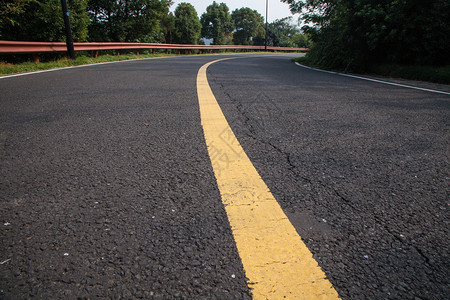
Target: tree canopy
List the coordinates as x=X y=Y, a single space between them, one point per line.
x=217 y=23
x=41 y=20
x=128 y=20
x=353 y=34
x=284 y=33
x=187 y=24
x=168 y=28
x=248 y=25
x=11 y=9
x=142 y=21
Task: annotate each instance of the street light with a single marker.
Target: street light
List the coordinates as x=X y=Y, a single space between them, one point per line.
x=267 y=11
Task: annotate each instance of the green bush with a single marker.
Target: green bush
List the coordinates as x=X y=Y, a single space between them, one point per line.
x=413 y=72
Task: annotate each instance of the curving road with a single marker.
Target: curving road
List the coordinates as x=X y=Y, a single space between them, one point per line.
x=107 y=188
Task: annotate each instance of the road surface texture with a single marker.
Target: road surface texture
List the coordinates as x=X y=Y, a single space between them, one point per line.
x=107 y=188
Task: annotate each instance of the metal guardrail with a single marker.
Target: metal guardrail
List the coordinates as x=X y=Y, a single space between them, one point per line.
x=34 y=48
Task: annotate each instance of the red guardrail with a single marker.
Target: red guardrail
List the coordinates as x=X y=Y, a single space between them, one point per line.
x=34 y=48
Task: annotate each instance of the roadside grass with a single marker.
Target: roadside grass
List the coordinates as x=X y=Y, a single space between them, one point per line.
x=81 y=59
x=412 y=72
x=9 y=68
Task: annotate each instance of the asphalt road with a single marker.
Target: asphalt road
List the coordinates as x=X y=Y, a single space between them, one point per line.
x=107 y=190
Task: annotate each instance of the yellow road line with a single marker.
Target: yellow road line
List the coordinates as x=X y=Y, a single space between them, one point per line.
x=276 y=262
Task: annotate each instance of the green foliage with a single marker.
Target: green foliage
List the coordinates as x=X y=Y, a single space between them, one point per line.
x=356 y=34
x=11 y=9
x=248 y=26
x=283 y=33
x=302 y=59
x=128 y=20
x=217 y=23
x=187 y=24
x=103 y=14
x=168 y=28
x=413 y=72
x=141 y=21
x=41 y=20
x=301 y=40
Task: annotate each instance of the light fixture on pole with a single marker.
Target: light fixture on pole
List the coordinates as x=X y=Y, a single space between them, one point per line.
x=267 y=12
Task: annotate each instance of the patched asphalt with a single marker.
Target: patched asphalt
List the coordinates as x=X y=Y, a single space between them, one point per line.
x=107 y=190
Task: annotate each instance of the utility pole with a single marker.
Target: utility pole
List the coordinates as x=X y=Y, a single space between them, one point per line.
x=267 y=12
x=69 y=40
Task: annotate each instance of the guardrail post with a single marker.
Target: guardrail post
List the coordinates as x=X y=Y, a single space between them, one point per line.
x=35 y=57
x=137 y=53
x=178 y=52
x=153 y=51
x=95 y=54
x=117 y=52
x=189 y=51
x=167 y=51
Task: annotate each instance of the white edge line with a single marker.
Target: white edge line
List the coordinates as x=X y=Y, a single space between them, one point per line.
x=374 y=80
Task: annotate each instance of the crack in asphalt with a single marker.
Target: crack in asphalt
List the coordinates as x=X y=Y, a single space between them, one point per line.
x=252 y=133
x=345 y=164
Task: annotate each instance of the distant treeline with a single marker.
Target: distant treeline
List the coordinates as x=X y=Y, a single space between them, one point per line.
x=143 y=21
x=359 y=34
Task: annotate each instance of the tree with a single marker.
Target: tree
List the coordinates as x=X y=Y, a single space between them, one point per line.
x=128 y=20
x=355 y=33
x=42 y=20
x=187 y=24
x=301 y=40
x=284 y=33
x=248 y=24
x=280 y=32
x=11 y=9
x=168 y=28
x=104 y=23
x=216 y=23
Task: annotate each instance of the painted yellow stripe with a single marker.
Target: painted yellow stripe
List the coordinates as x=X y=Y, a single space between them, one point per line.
x=276 y=262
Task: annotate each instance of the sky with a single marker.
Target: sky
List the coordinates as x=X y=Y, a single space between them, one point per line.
x=277 y=9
